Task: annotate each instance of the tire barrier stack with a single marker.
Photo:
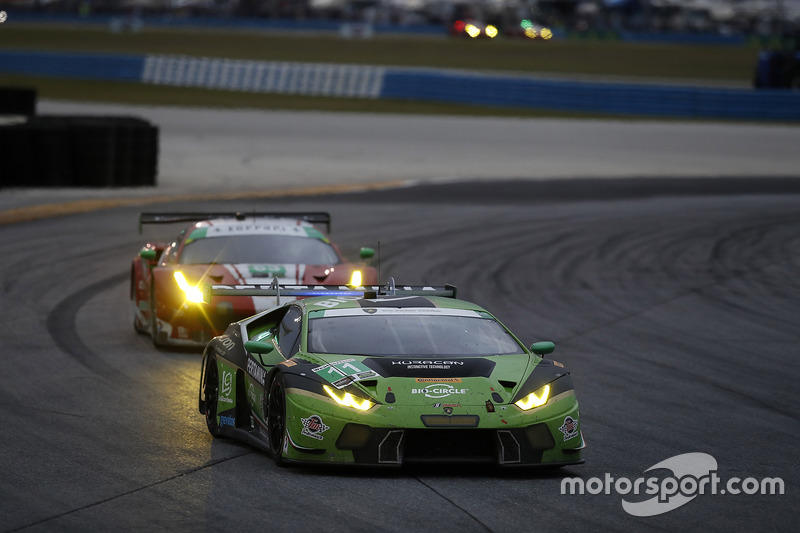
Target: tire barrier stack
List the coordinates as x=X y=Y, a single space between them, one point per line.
x=78 y=151
x=17 y=101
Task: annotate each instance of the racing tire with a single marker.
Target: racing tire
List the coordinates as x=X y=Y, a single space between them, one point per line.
x=154 y=331
x=276 y=420
x=211 y=394
x=137 y=326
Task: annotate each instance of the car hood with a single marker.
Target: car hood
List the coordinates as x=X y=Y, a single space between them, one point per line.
x=424 y=381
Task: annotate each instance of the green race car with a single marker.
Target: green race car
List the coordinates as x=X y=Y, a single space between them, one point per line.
x=386 y=376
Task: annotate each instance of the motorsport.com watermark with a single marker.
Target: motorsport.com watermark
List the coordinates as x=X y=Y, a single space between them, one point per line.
x=693 y=474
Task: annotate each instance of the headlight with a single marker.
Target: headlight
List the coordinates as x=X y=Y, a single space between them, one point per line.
x=348 y=400
x=535 y=399
x=193 y=294
x=355 y=279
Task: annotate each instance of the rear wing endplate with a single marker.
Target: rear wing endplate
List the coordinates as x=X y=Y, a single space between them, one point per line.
x=364 y=291
x=172 y=218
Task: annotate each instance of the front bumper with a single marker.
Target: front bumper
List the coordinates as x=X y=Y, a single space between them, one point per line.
x=320 y=432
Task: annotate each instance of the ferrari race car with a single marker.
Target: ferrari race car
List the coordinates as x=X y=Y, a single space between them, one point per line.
x=386 y=376
x=167 y=279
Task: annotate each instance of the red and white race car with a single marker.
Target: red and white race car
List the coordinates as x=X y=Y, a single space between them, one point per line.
x=167 y=279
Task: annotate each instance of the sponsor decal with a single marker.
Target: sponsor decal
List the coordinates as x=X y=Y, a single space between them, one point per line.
x=428 y=365
x=227 y=420
x=256 y=371
x=434 y=369
x=438 y=380
x=342 y=383
x=438 y=391
x=227 y=343
x=251 y=393
x=333 y=302
x=267 y=271
x=250 y=229
x=314 y=427
x=183 y=333
x=569 y=428
x=445 y=405
x=226 y=387
x=342 y=373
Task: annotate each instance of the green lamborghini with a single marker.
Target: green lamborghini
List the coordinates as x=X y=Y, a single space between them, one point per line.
x=386 y=376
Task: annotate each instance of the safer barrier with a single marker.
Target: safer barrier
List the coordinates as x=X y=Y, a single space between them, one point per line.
x=418 y=84
x=595 y=97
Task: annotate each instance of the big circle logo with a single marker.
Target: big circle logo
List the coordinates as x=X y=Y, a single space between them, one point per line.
x=439 y=390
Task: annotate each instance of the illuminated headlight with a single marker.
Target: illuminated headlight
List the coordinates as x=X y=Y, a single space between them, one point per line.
x=348 y=400
x=535 y=399
x=355 y=279
x=193 y=294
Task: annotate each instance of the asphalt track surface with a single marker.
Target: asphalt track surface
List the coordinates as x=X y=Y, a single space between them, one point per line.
x=675 y=304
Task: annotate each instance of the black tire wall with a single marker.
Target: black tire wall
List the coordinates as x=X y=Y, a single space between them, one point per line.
x=78 y=151
x=18 y=101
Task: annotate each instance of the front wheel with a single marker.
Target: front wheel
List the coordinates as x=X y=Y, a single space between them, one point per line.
x=276 y=420
x=211 y=393
x=155 y=332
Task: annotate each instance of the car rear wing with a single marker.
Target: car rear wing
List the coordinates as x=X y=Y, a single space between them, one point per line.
x=364 y=291
x=172 y=218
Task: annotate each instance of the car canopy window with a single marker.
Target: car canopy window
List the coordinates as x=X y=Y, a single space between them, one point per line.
x=259 y=249
x=390 y=334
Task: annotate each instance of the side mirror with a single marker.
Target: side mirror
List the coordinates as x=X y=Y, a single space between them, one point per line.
x=366 y=253
x=543 y=348
x=261 y=348
x=148 y=254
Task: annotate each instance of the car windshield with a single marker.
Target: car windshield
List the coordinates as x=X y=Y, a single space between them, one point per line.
x=411 y=335
x=259 y=249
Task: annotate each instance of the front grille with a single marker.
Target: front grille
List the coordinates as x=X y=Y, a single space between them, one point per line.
x=450 y=444
x=462 y=421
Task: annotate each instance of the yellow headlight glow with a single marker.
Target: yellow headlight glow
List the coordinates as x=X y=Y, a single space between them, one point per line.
x=355 y=279
x=535 y=399
x=348 y=400
x=491 y=31
x=193 y=294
